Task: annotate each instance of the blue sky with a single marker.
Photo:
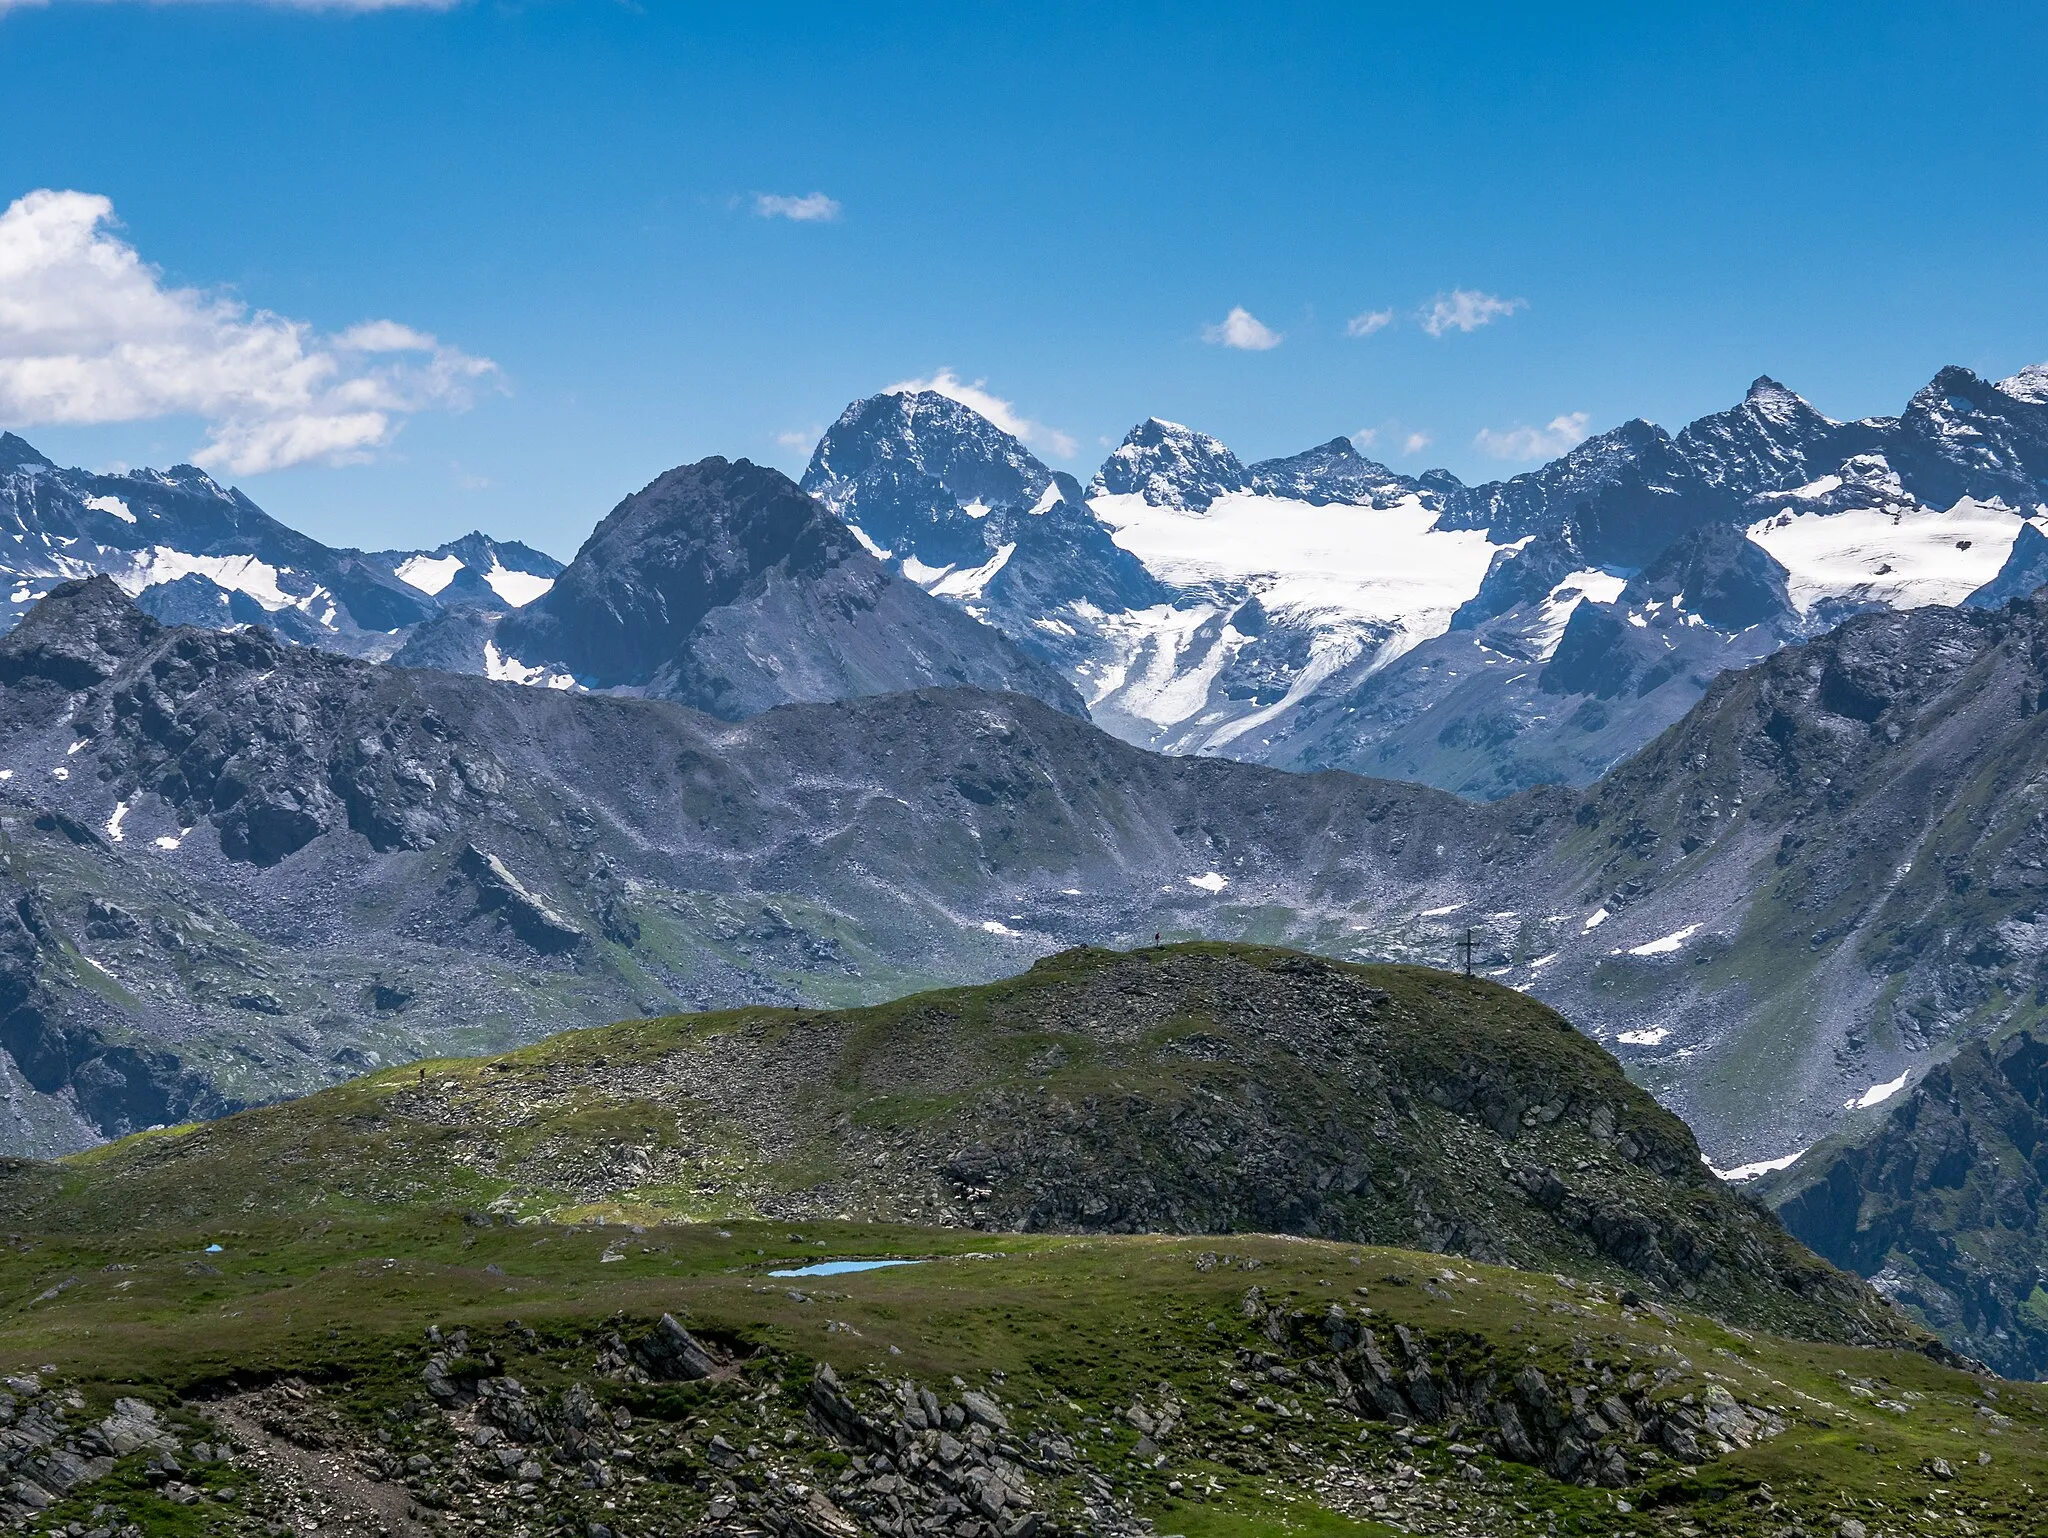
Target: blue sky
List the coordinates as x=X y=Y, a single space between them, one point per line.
x=555 y=207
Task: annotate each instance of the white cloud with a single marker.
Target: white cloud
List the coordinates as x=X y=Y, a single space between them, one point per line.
x=1243 y=330
x=90 y=333
x=1368 y=323
x=813 y=208
x=1415 y=443
x=1561 y=435
x=994 y=407
x=1466 y=309
x=1365 y=437
x=283 y=5
x=801 y=439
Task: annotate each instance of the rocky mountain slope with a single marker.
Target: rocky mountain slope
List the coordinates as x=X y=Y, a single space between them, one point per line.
x=724 y=587
x=242 y=868
x=253 y=867
x=1323 y=611
x=1939 y=1203
x=193 y=552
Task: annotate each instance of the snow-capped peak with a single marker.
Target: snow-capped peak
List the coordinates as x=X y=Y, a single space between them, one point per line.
x=1170 y=465
x=2030 y=384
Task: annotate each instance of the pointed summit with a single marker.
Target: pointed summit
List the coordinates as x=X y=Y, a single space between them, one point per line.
x=2030 y=384
x=77 y=636
x=1332 y=472
x=16 y=452
x=1170 y=466
x=920 y=474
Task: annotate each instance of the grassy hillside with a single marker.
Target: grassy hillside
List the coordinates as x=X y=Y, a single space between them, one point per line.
x=1187 y=1089
x=1209 y=1387
x=537 y=1294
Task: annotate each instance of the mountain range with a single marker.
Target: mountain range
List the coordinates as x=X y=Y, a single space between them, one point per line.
x=277 y=814
x=1322 y=611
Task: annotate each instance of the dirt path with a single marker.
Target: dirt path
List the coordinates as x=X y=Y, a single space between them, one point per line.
x=312 y=1486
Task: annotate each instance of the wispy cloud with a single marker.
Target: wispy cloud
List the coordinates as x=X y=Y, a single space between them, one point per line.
x=800 y=439
x=277 y=5
x=1415 y=443
x=1243 y=330
x=1004 y=414
x=1466 y=309
x=1559 y=436
x=1369 y=322
x=90 y=333
x=812 y=208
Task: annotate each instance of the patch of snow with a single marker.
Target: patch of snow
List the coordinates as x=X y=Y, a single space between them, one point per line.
x=1877 y=1094
x=114 y=822
x=112 y=505
x=83 y=742
x=6 y=774
x=975 y=509
x=1666 y=944
x=1391 y=565
x=167 y=842
x=518 y=588
x=1543 y=961
x=867 y=544
x=428 y=573
x=510 y=670
x=1575 y=589
x=1437 y=913
x=1600 y=917
x=61 y=773
x=924 y=576
x=1743 y=1172
x=1813 y=490
x=1048 y=499
x=995 y=928
x=236 y=573
x=968 y=582
x=1162 y=671
x=1904 y=556
x=1654 y=1036
x=1212 y=881
x=2029 y=384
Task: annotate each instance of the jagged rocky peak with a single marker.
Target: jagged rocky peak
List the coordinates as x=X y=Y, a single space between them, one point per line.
x=1771 y=441
x=76 y=636
x=475 y=570
x=925 y=434
x=2030 y=384
x=724 y=587
x=920 y=475
x=1719 y=574
x=1542 y=501
x=16 y=453
x=1170 y=466
x=689 y=542
x=1333 y=472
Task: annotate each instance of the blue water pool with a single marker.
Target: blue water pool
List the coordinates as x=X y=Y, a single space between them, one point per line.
x=841 y=1267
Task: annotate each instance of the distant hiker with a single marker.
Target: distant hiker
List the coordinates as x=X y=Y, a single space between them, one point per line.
x=1155 y=937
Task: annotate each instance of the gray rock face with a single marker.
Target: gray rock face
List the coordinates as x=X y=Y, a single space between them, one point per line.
x=1170 y=465
x=725 y=587
x=1939 y=1203
x=1333 y=472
